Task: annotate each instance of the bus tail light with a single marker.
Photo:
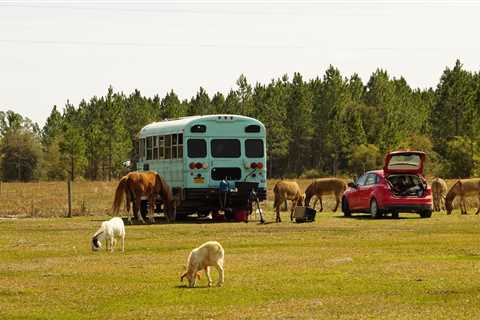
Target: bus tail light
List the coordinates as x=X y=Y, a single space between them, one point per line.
x=192 y=165
x=205 y=165
x=198 y=165
x=260 y=165
x=253 y=165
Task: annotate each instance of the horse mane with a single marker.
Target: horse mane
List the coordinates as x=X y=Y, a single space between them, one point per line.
x=452 y=193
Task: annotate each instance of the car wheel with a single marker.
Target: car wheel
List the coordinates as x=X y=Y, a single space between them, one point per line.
x=375 y=211
x=345 y=208
x=426 y=214
x=395 y=215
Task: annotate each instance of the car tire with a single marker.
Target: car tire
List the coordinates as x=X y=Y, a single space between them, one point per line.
x=426 y=214
x=375 y=211
x=345 y=208
x=395 y=215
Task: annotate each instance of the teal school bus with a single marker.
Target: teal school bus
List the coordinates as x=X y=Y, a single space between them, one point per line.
x=194 y=154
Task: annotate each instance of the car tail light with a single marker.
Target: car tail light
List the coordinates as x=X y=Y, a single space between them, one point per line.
x=198 y=165
x=192 y=165
x=253 y=165
x=260 y=165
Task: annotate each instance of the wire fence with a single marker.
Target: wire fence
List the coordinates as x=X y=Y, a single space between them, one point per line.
x=50 y=199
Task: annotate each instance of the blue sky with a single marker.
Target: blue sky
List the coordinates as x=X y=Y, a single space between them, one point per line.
x=51 y=51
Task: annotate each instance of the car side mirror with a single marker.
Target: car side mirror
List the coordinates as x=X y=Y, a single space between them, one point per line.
x=352 y=185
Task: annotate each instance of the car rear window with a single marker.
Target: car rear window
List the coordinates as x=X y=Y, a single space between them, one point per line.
x=404 y=161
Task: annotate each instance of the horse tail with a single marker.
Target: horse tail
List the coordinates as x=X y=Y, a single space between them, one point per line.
x=121 y=190
x=276 y=196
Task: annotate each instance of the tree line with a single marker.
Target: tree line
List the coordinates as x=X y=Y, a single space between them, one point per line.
x=333 y=125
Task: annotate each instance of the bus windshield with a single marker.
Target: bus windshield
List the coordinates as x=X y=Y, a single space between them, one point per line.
x=254 y=148
x=225 y=148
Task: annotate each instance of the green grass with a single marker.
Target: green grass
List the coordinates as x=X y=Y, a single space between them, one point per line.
x=334 y=268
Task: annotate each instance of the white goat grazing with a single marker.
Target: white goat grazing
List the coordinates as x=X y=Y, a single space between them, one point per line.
x=108 y=231
x=209 y=254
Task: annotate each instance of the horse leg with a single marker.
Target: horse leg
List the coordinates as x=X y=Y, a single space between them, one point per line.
x=151 y=205
x=207 y=272
x=478 y=210
x=294 y=204
x=136 y=208
x=123 y=243
x=463 y=207
x=321 y=203
x=277 y=210
x=337 y=198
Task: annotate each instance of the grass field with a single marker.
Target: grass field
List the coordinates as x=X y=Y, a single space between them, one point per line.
x=334 y=268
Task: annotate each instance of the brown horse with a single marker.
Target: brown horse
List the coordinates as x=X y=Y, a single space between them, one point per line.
x=463 y=188
x=283 y=191
x=323 y=186
x=439 y=190
x=144 y=184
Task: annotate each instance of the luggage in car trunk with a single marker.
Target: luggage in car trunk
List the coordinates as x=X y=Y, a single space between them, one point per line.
x=304 y=214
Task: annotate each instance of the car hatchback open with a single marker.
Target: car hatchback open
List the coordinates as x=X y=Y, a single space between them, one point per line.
x=399 y=187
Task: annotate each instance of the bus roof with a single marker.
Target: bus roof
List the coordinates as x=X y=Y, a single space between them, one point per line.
x=168 y=126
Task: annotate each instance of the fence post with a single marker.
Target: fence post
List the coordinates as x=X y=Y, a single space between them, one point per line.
x=69 y=188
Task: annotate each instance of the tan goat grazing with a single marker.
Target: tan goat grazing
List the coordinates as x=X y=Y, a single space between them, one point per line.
x=283 y=191
x=439 y=191
x=324 y=186
x=209 y=254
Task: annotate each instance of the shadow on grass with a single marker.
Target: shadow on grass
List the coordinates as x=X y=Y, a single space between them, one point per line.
x=368 y=217
x=185 y=286
x=187 y=220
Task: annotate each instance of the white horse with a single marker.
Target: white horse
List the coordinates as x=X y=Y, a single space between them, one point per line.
x=109 y=230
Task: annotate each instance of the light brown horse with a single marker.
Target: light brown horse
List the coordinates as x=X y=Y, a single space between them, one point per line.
x=323 y=186
x=439 y=191
x=136 y=185
x=463 y=188
x=283 y=191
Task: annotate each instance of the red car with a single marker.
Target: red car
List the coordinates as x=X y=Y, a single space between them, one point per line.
x=399 y=187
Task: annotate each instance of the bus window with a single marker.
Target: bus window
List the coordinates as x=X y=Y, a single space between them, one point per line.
x=180 y=145
x=252 y=128
x=168 y=147
x=225 y=148
x=198 y=128
x=149 y=148
x=174 y=146
x=254 y=148
x=229 y=173
x=161 y=147
x=196 y=148
x=155 y=148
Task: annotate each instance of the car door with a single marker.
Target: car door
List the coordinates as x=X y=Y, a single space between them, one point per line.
x=355 y=193
x=367 y=190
